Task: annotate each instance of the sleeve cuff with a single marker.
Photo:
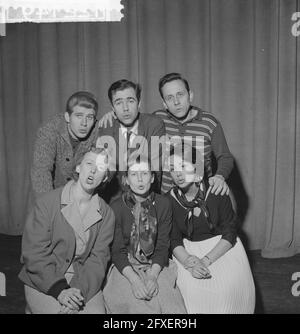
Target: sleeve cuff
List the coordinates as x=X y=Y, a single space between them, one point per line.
x=162 y=262
x=58 y=287
x=230 y=238
x=175 y=244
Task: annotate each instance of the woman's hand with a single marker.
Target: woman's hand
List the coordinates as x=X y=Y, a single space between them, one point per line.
x=65 y=310
x=139 y=289
x=200 y=270
x=71 y=298
x=191 y=261
x=151 y=285
x=107 y=119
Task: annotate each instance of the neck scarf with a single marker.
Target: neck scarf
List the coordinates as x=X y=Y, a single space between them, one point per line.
x=144 y=227
x=198 y=201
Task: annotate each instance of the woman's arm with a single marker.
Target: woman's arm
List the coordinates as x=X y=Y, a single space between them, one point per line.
x=40 y=264
x=164 y=224
x=218 y=251
x=227 y=226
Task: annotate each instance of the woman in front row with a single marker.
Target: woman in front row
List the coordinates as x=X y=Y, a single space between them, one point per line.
x=214 y=275
x=141 y=280
x=65 y=245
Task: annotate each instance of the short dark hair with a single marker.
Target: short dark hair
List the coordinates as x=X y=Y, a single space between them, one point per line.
x=171 y=77
x=83 y=99
x=121 y=85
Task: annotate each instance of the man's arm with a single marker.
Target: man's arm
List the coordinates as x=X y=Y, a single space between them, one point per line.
x=221 y=152
x=157 y=152
x=43 y=160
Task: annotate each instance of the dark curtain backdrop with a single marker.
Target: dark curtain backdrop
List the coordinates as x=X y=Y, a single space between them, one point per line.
x=242 y=63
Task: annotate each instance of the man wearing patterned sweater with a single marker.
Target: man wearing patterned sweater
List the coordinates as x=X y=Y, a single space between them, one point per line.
x=60 y=140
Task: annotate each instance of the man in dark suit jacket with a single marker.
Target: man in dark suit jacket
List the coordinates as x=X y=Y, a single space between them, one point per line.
x=132 y=133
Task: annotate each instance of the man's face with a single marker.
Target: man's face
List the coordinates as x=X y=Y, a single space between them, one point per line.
x=80 y=121
x=126 y=106
x=176 y=98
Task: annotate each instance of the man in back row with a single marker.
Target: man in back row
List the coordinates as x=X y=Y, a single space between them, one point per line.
x=183 y=119
x=61 y=140
x=132 y=133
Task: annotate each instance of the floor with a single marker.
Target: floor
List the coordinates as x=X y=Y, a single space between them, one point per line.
x=273 y=280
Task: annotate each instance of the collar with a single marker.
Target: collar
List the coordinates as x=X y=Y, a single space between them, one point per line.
x=195 y=111
x=134 y=129
x=71 y=210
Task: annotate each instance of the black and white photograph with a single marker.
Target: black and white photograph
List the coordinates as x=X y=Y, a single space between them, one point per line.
x=150 y=159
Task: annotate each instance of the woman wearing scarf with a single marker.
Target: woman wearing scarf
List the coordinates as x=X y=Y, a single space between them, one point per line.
x=214 y=275
x=141 y=280
x=65 y=245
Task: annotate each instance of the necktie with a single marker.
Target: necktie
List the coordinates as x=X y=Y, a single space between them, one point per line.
x=129 y=133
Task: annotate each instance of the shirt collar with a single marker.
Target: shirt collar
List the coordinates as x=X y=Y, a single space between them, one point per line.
x=134 y=129
x=195 y=114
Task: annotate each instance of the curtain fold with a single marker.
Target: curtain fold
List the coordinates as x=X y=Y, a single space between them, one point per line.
x=242 y=63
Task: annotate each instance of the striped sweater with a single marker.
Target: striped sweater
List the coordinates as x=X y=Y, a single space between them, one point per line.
x=206 y=125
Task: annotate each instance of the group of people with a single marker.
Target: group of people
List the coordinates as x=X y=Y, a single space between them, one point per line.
x=164 y=240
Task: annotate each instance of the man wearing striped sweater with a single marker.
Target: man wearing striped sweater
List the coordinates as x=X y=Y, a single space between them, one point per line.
x=183 y=120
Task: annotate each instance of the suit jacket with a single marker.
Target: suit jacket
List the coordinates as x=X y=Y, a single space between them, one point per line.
x=53 y=155
x=148 y=127
x=48 y=247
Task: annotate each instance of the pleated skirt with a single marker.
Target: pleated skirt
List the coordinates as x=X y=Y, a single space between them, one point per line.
x=230 y=290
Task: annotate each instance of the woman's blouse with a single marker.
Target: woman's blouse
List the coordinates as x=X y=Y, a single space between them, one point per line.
x=222 y=216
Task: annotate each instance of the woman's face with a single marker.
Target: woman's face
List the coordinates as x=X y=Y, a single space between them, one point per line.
x=140 y=178
x=182 y=172
x=92 y=171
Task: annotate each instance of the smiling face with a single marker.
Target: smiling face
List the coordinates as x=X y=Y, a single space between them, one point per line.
x=140 y=178
x=80 y=121
x=183 y=172
x=92 y=171
x=176 y=98
x=126 y=106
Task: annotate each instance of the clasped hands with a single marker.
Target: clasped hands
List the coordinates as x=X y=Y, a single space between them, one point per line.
x=145 y=287
x=70 y=300
x=197 y=267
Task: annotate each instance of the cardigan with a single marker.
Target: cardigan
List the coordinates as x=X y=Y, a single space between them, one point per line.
x=124 y=220
x=48 y=246
x=222 y=216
